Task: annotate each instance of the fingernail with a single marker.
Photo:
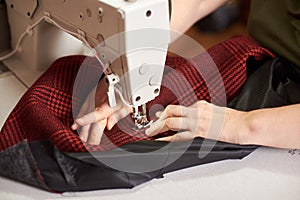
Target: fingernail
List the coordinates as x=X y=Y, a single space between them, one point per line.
x=158 y=114
x=109 y=127
x=148 y=131
x=74 y=127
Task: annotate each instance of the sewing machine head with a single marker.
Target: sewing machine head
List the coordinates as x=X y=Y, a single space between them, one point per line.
x=131 y=34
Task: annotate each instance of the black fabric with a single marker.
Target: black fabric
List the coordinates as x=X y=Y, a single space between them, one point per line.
x=17 y=163
x=274 y=83
x=83 y=171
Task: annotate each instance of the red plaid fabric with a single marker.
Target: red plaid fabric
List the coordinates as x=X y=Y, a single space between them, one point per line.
x=45 y=111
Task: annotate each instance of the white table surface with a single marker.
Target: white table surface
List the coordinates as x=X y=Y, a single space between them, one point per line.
x=11 y=91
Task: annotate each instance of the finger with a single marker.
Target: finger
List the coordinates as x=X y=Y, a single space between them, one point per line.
x=158 y=114
x=99 y=114
x=74 y=126
x=83 y=110
x=179 y=137
x=87 y=107
x=117 y=116
x=84 y=132
x=164 y=139
x=96 y=132
x=87 y=119
x=173 y=111
x=174 y=124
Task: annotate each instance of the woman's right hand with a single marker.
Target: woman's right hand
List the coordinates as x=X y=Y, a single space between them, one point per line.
x=95 y=114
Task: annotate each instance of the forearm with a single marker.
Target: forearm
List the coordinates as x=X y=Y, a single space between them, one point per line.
x=276 y=127
x=186 y=12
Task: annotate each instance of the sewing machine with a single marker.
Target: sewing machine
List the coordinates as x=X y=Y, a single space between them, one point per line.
x=130 y=39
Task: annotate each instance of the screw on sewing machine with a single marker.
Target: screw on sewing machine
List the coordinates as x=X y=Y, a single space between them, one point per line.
x=100 y=11
x=81 y=16
x=100 y=14
x=149 y=13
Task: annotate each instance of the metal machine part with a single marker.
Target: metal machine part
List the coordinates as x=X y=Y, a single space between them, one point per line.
x=130 y=38
x=140 y=117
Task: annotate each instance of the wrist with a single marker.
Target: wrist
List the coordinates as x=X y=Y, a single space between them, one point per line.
x=236 y=127
x=253 y=128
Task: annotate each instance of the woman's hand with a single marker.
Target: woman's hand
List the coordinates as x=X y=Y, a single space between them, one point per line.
x=275 y=127
x=95 y=115
x=202 y=119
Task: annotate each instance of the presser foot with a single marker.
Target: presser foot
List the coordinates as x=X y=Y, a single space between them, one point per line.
x=141 y=125
x=140 y=118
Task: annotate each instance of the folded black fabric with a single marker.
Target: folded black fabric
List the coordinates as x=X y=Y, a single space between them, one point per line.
x=276 y=82
x=44 y=166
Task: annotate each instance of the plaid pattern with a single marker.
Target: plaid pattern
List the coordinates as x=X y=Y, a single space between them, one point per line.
x=45 y=111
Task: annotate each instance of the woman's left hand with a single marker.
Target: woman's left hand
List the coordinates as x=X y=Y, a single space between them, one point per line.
x=202 y=119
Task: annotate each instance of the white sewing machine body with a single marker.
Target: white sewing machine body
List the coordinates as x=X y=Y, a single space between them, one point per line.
x=131 y=39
